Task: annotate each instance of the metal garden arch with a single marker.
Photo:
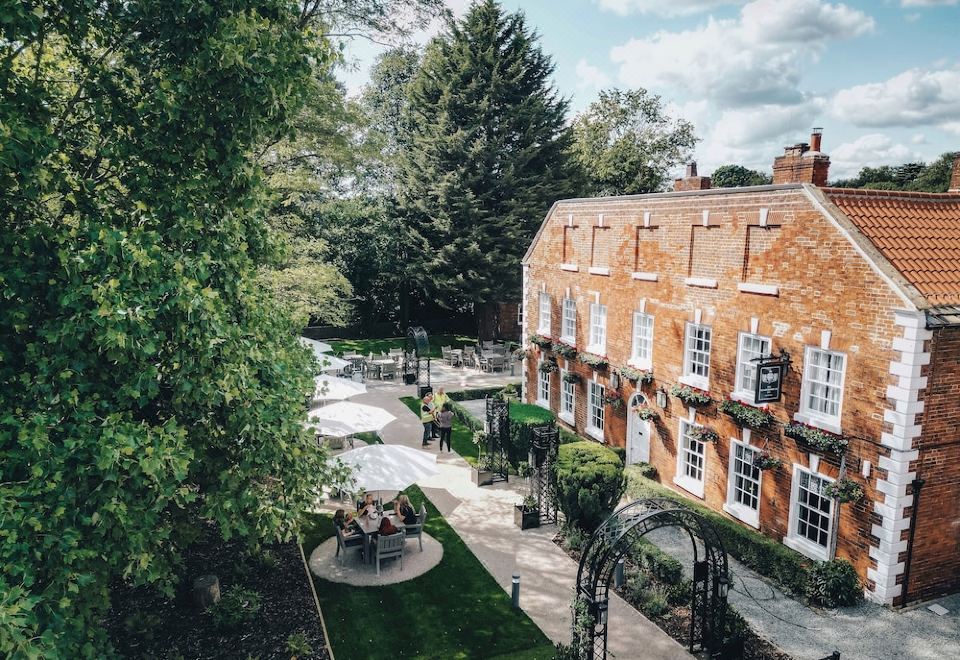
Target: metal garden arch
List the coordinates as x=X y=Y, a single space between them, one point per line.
x=616 y=538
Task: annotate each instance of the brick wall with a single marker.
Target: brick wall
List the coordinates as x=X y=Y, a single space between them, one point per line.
x=822 y=283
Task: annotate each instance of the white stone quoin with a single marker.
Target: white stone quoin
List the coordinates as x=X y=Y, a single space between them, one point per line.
x=904 y=431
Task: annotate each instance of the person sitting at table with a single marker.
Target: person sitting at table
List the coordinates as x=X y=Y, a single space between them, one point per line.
x=344 y=520
x=368 y=506
x=387 y=527
x=404 y=510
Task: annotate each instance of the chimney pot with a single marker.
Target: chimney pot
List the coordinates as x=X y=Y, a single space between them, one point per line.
x=815 y=136
x=692 y=168
x=955 y=175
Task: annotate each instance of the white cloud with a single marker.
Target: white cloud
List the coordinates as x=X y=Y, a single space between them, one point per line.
x=918 y=138
x=928 y=3
x=912 y=98
x=869 y=150
x=743 y=127
x=663 y=7
x=590 y=77
x=756 y=58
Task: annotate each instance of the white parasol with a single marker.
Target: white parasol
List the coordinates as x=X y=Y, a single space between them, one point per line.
x=388 y=467
x=346 y=418
x=337 y=389
x=319 y=347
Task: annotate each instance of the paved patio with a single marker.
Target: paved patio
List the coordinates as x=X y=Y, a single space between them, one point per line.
x=350 y=568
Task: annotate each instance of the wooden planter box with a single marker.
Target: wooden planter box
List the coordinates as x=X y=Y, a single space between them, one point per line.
x=482 y=477
x=525 y=519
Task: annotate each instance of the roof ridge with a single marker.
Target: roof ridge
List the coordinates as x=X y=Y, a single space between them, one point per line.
x=891 y=194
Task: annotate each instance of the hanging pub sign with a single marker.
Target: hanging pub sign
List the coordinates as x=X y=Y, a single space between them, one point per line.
x=770 y=373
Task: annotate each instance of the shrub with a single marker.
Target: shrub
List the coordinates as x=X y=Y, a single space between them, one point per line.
x=566 y=437
x=573 y=538
x=636 y=586
x=478 y=393
x=654 y=602
x=680 y=593
x=640 y=469
x=298 y=645
x=590 y=483
x=834 y=584
x=662 y=566
x=237 y=606
x=621 y=453
x=524 y=418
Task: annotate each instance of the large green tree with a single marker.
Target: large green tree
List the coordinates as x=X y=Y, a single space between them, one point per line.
x=485 y=156
x=145 y=377
x=627 y=143
x=735 y=176
x=921 y=177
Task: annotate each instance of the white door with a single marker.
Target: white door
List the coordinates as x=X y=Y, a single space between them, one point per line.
x=638 y=433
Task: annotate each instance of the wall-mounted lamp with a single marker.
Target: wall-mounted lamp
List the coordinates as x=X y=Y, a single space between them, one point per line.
x=661 y=397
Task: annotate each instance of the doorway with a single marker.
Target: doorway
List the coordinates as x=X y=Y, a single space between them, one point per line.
x=638 y=432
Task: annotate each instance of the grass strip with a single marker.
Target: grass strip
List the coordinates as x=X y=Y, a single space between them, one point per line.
x=461 y=438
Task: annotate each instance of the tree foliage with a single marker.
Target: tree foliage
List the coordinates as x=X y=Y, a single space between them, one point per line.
x=486 y=155
x=920 y=177
x=145 y=376
x=736 y=176
x=627 y=143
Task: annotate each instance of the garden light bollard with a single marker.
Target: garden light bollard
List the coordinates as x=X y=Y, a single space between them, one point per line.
x=618 y=574
x=515 y=594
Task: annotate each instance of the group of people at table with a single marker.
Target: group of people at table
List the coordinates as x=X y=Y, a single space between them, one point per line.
x=349 y=526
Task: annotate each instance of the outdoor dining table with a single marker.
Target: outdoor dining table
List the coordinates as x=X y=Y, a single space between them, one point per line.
x=370 y=527
x=377 y=364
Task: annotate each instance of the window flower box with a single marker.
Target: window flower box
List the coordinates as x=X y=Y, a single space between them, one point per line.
x=765 y=461
x=548 y=367
x=646 y=413
x=690 y=395
x=702 y=434
x=644 y=376
x=816 y=439
x=746 y=415
x=844 y=490
x=541 y=341
x=595 y=361
x=571 y=377
x=564 y=350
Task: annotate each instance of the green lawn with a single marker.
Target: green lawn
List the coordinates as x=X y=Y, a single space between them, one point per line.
x=461 y=439
x=456 y=610
x=365 y=346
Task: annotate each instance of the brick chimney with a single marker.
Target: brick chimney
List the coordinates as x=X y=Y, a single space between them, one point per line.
x=803 y=163
x=955 y=176
x=691 y=181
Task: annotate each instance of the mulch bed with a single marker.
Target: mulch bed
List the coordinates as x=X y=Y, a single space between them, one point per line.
x=144 y=623
x=676 y=623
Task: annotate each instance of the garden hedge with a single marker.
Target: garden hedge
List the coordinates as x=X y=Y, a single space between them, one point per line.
x=524 y=418
x=590 y=483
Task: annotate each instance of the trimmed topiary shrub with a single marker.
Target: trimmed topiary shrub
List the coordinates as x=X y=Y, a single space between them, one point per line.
x=590 y=483
x=524 y=418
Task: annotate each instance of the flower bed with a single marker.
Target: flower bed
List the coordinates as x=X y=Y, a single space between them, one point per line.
x=644 y=376
x=595 y=361
x=815 y=438
x=691 y=396
x=746 y=415
x=541 y=341
x=564 y=350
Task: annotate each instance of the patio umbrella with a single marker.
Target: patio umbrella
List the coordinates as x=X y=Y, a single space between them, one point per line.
x=319 y=347
x=331 y=363
x=347 y=418
x=388 y=467
x=337 y=389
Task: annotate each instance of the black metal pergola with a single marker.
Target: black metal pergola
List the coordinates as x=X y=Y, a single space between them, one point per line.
x=544 y=448
x=416 y=359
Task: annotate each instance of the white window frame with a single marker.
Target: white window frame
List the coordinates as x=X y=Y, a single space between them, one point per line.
x=568 y=322
x=598 y=331
x=567 y=414
x=545 y=311
x=595 y=409
x=700 y=381
x=543 y=379
x=744 y=364
x=793 y=539
x=812 y=416
x=642 y=340
x=739 y=510
x=682 y=479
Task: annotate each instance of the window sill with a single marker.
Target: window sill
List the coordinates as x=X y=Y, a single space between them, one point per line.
x=699 y=382
x=743 y=397
x=759 y=289
x=599 y=270
x=806 y=548
x=645 y=365
x=573 y=268
x=543 y=331
x=804 y=418
x=595 y=433
x=566 y=417
x=569 y=341
x=645 y=276
x=596 y=350
x=689 y=485
x=702 y=282
x=543 y=404
x=743 y=514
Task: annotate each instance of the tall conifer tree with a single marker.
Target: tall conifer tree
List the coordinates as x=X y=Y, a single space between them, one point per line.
x=486 y=155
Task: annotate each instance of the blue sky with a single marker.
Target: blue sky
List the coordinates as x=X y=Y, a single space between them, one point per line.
x=882 y=77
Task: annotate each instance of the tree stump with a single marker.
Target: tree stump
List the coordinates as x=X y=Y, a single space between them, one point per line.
x=206 y=591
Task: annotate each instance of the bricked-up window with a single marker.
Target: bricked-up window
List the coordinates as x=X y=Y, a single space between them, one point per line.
x=811 y=515
x=543 y=387
x=690 y=461
x=568 y=329
x=602 y=247
x=696 y=358
x=567 y=399
x=595 y=410
x=822 y=391
x=641 y=353
x=598 y=329
x=569 y=248
x=751 y=347
x=543 y=321
x=743 y=488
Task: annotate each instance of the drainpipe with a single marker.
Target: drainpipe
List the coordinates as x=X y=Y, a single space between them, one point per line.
x=917 y=485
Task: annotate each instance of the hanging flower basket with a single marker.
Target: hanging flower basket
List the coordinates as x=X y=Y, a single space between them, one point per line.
x=844 y=490
x=645 y=412
x=565 y=350
x=541 y=341
x=522 y=353
x=745 y=415
x=815 y=438
x=613 y=398
x=764 y=461
x=571 y=377
x=644 y=376
x=595 y=361
x=690 y=395
x=548 y=367
x=702 y=434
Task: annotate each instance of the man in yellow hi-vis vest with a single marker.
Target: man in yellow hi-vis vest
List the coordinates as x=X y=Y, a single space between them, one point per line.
x=427 y=416
x=440 y=397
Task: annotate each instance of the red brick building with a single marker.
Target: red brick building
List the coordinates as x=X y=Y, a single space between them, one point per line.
x=860 y=288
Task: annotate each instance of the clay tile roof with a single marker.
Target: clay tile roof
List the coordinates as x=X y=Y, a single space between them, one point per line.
x=918 y=233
